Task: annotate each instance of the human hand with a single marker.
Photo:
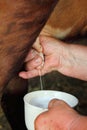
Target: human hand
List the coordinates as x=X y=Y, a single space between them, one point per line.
x=52 y=51
x=58 y=56
x=59 y=116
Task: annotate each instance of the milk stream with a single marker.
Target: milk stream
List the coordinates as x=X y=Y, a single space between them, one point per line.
x=41 y=83
x=41 y=66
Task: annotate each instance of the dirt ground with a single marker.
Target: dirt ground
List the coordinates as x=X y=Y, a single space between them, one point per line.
x=56 y=81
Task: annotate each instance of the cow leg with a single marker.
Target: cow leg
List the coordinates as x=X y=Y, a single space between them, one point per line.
x=12 y=103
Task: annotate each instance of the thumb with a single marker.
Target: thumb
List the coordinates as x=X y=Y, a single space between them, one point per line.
x=37 y=46
x=57 y=103
x=47 y=43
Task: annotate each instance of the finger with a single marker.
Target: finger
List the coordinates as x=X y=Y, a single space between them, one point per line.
x=32 y=53
x=37 y=46
x=41 y=122
x=48 y=44
x=57 y=103
x=29 y=74
x=48 y=66
x=32 y=73
x=37 y=61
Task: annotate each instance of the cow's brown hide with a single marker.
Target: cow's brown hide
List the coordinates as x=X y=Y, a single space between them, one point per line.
x=20 y=24
x=69 y=19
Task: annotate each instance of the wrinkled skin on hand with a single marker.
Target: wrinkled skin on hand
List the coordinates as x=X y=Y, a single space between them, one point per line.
x=58 y=56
